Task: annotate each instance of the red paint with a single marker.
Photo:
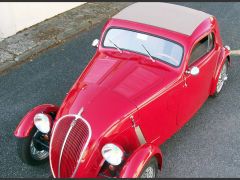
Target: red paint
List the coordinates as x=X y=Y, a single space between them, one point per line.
x=26 y=124
x=136 y=162
x=111 y=89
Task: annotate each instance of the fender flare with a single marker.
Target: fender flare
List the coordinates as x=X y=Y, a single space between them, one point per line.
x=137 y=161
x=224 y=56
x=26 y=124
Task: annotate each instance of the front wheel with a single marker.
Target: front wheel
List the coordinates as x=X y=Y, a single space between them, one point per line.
x=150 y=170
x=31 y=152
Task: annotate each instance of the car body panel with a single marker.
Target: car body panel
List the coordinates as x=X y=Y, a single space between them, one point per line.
x=136 y=163
x=26 y=124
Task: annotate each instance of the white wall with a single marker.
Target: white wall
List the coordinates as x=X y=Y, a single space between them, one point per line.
x=15 y=16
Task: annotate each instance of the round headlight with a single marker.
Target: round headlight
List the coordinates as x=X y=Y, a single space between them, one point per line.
x=112 y=153
x=42 y=122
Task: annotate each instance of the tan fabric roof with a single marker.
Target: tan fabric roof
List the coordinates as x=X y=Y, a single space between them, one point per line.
x=169 y=16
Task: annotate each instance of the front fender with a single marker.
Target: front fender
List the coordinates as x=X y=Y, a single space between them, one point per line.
x=25 y=126
x=137 y=161
x=225 y=55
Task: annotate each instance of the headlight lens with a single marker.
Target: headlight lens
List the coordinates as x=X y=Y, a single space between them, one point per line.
x=112 y=153
x=42 y=122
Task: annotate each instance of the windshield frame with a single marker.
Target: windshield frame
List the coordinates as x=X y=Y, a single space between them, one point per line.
x=154 y=35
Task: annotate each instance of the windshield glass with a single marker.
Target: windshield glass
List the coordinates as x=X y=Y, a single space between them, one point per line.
x=155 y=47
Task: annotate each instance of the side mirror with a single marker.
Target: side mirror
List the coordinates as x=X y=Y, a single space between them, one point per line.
x=95 y=43
x=228 y=48
x=193 y=71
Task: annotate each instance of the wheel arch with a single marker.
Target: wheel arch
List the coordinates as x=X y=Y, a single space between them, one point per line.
x=26 y=124
x=137 y=161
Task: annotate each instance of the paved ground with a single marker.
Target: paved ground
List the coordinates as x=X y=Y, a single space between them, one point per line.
x=31 y=41
x=208 y=146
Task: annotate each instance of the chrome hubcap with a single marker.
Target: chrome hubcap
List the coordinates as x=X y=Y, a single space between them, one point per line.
x=222 y=78
x=148 y=173
x=37 y=155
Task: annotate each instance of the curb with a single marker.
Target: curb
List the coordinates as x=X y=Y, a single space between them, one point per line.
x=34 y=40
x=235 y=52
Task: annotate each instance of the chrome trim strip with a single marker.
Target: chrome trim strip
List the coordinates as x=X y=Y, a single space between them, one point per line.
x=138 y=131
x=139 y=134
x=86 y=144
x=77 y=116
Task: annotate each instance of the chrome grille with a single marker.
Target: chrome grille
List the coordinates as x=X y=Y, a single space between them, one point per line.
x=70 y=138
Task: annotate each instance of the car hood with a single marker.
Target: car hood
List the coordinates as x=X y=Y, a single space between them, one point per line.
x=112 y=87
x=101 y=107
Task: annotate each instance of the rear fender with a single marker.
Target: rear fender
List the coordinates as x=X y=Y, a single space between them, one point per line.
x=225 y=56
x=137 y=161
x=26 y=124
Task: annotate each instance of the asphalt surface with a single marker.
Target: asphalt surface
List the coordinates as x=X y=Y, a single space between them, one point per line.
x=208 y=145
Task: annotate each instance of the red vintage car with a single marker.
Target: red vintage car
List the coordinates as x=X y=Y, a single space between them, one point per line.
x=155 y=65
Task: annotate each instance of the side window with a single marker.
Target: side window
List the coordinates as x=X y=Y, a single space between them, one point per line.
x=204 y=46
x=211 y=41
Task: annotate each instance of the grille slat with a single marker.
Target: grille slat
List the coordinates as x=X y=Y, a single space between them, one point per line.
x=72 y=149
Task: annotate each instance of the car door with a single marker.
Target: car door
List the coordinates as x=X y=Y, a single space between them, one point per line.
x=196 y=88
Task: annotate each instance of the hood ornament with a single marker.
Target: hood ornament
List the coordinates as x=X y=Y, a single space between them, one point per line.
x=74 y=122
x=76 y=118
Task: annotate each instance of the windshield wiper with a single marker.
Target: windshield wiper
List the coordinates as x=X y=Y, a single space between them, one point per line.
x=148 y=53
x=115 y=45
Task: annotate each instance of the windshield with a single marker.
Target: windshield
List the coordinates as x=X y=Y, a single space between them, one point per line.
x=155 y=47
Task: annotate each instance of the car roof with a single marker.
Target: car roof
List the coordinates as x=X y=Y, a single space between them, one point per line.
x=164 y=15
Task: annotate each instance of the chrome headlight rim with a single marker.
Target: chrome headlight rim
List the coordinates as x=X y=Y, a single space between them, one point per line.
x=113 y=153
x=42 y=122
